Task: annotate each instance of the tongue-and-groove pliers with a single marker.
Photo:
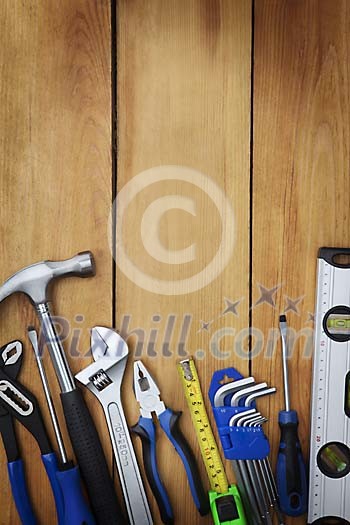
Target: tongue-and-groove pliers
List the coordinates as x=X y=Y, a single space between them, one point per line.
x=16 y=402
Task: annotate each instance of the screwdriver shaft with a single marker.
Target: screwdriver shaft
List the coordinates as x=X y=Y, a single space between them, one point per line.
x=283 y=330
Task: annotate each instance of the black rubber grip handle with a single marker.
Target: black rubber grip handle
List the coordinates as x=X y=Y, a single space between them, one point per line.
x=291 y=470
x=291 y=449
x=91 y=459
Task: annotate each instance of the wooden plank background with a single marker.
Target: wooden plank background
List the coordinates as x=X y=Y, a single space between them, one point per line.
x=183 y=100
x=300 y=179
x=55 y=181
x=248 y=98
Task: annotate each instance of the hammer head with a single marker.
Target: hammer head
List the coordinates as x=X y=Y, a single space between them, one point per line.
x=34 y=280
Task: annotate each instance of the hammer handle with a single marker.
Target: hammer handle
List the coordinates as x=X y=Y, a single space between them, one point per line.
x=91 y=459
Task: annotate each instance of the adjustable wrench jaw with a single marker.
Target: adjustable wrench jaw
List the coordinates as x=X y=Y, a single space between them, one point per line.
x=89 y=376
x=104 y=376
x=105 y=342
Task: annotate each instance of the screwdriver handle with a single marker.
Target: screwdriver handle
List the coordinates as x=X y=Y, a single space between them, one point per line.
x=51 y=466
x=71 y=506
x=76 y=510
x=291 y=469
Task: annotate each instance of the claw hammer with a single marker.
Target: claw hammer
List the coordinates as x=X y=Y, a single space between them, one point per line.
x=34 y=281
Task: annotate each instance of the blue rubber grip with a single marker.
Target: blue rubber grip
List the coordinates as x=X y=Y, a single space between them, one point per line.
x=292 y=481
x=76 y=510
x=146 y=430
x=20 y=492
x=169 y=422
x=51 y=467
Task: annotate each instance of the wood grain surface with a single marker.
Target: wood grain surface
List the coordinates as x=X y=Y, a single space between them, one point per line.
x=55 y=180
x=231 y=155
x=183 y=108
x=300 y=181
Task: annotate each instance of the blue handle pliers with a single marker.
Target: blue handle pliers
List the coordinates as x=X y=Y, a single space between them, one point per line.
x=14 y=403
x=148 y=396
x=17 y=403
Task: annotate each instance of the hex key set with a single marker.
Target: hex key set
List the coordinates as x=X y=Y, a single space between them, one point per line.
x=244 y=443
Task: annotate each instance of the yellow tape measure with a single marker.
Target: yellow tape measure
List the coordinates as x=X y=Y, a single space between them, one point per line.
x=206 y=439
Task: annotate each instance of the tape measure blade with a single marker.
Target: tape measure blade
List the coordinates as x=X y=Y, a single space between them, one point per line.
x=209 y=450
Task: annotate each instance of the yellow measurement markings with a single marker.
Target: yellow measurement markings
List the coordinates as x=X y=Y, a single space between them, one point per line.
x=209 y=450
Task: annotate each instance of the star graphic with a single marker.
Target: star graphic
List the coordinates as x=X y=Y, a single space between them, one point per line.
x=205 y=326
x=266 y=295
x=226 y=380
x=231 y=307
x=292 y=304
x=311 y=317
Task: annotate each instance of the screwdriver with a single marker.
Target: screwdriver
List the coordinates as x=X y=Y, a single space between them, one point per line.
x=291 y=470
x=74 y=509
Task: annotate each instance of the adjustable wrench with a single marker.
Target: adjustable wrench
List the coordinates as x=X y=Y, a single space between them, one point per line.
x=104 y=378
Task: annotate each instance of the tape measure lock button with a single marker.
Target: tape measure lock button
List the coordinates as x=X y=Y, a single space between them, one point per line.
x=227 y=509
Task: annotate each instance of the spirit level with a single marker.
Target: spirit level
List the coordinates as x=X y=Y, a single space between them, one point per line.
x=330 y=426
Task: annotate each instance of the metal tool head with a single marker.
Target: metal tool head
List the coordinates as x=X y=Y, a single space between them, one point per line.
x=110 y=353
x=252 y=397
x=146 y=391
x=244 y=419
x=231 y=388
x=234 y=419
x=11 y=359
x=34 y=280
x=241 y=394
x=283 y=325
x=258 y=423
x=251 y=419
x=15 y=399
x=106 y=342
x=22 y=405
x=11 y=353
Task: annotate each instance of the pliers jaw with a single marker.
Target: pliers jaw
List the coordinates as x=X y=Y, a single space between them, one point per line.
x=146 y=392
x=11 y=353
x=11 y=357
